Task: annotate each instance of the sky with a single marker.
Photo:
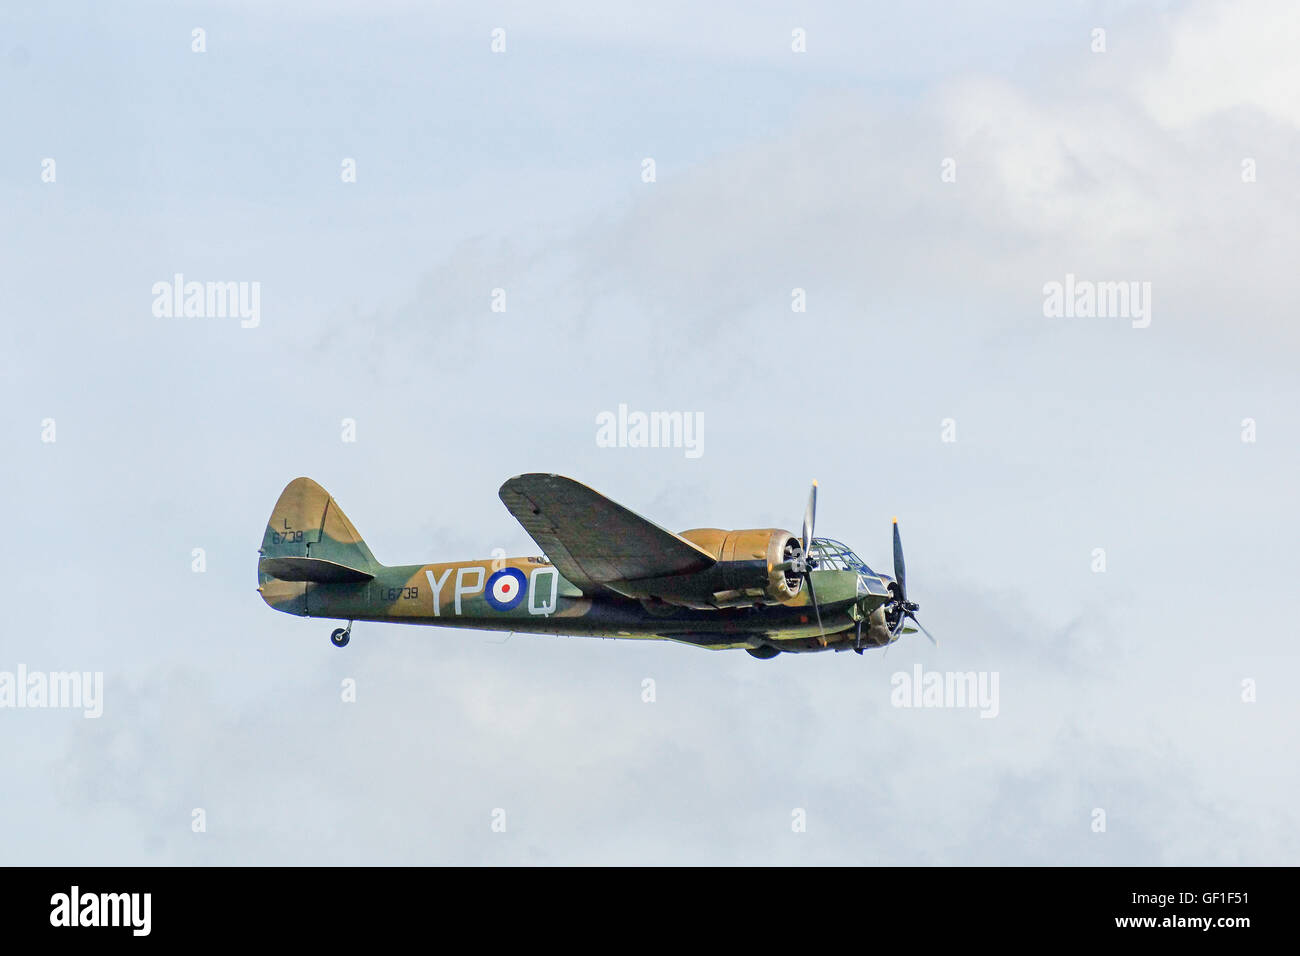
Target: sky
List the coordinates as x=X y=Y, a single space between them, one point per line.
x=1096 y=509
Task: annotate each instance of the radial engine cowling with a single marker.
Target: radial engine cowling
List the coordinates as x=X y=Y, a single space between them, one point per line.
x=749 y=565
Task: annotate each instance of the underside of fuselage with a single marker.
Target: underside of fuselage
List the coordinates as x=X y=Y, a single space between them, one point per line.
x=455 y=595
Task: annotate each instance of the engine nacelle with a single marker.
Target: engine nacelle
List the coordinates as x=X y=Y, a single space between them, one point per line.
x=749 y=565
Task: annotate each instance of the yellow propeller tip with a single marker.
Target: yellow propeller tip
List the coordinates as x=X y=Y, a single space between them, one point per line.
x=814 y=482
x=895 y=520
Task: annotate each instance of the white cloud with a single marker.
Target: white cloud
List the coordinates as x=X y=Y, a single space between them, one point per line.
x=1225 y=56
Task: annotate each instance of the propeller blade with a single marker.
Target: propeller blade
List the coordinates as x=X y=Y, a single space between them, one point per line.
x=809 y=519
x=900 y=570
x=816 y=608
x=923 y=630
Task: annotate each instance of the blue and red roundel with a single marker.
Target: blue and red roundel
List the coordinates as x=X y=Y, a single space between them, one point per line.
x=506 y=588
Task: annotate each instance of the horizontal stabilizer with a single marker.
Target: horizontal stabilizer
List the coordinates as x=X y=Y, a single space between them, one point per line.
x=311 y=569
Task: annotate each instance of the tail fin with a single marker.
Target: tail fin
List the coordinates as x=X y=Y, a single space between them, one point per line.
x=309 y=538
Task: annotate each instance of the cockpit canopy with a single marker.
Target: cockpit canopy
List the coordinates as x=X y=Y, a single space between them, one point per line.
x=832 y=555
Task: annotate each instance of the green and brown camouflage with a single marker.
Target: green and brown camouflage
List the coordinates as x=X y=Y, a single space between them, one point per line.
x=626 y=578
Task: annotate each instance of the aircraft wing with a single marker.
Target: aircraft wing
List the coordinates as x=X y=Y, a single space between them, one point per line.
x=593 y=541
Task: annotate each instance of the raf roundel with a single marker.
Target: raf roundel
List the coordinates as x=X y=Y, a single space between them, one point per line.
x=506 y=588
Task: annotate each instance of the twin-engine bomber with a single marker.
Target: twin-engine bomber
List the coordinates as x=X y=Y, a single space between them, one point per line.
x=605 y=571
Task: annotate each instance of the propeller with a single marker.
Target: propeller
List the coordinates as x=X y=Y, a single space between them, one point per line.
x=901 y=610
x=809 y=519
x=805 y=563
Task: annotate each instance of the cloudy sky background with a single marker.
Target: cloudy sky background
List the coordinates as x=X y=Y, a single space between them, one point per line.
x=1120 y=691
